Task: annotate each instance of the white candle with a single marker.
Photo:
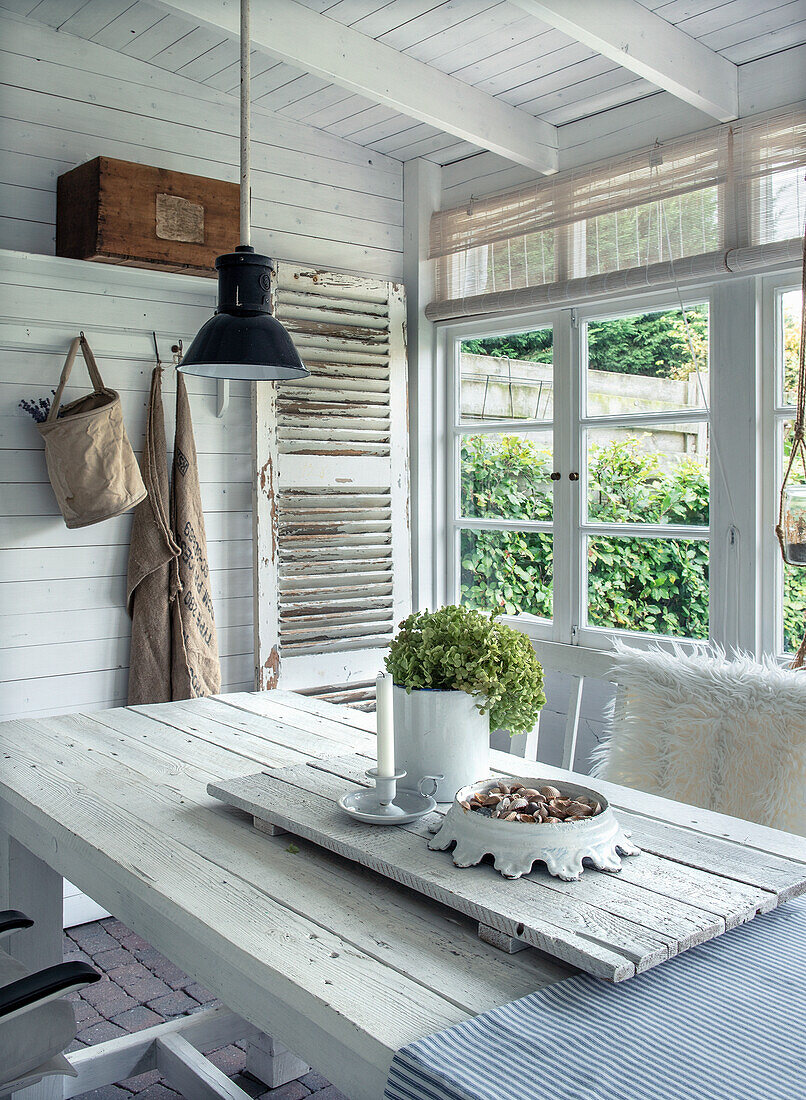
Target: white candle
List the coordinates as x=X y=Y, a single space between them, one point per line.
x=385 y=724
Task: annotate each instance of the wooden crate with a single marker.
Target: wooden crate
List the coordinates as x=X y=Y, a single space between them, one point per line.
x=118 y=212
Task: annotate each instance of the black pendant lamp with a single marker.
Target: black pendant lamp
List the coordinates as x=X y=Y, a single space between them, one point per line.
x=243 y=340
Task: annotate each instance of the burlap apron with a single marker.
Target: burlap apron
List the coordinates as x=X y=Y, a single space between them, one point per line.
x=195 y=666
x=153 y=576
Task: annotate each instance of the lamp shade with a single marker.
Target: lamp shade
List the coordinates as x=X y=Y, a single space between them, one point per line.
x=243 y=340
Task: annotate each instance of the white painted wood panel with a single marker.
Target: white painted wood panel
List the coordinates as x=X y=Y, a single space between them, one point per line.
x=491 y=46
x=316 y=198
x=64 y=632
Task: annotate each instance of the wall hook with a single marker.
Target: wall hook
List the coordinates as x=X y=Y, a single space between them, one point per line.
x=222 y=399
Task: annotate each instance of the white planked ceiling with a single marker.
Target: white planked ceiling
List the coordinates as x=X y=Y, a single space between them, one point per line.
x=490 y=44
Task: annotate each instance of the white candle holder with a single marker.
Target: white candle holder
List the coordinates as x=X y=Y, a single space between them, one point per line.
x=384 y=804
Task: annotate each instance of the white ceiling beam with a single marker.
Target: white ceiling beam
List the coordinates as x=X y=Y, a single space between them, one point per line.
x=639 y=40
x=352 y=60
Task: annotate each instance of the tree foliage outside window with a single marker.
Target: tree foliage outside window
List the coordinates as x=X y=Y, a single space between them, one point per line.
x=654 y=345
x=657 y=585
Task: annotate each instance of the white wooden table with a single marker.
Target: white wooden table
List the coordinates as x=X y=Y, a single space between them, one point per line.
x=336 y=963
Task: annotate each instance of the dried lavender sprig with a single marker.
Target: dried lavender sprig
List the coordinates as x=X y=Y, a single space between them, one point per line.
x=37 y=409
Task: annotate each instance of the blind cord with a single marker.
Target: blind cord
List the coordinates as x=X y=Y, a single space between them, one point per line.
x=733 y=533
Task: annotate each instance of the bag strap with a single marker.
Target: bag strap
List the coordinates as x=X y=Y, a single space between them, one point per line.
x=92 y=368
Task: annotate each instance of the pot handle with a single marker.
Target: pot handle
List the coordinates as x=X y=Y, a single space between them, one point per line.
x=434 y=780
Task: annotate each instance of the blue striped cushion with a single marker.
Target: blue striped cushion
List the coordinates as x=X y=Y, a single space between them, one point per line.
x=723 y=1021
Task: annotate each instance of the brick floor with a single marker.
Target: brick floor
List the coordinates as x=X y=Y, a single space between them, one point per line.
x=140 y=987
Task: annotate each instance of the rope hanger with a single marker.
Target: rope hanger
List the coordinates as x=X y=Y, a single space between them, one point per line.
x=798 y=443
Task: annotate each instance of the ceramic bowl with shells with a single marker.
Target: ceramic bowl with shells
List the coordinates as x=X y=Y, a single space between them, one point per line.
x=522 y=821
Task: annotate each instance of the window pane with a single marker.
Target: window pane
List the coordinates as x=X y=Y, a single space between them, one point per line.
x=658 y=586
x=507 y=377
x=657 y=475
x=506 y=476
x=790 y=342
x=643 y=363
x=506 y=572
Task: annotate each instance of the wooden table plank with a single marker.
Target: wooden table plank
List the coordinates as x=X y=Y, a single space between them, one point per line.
x=590 y=923
x=732 y=901
x=399 y=932
x=367 y=1007
x=785 y=878
x=306 y=733
x=277 y=706
x=583 y=936
x=348 y=716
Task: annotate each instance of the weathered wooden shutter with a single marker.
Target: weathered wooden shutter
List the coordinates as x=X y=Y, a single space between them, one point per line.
x=332 y=548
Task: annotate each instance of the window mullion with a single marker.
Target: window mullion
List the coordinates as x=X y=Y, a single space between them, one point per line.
x=565 y=550
x=734 y=563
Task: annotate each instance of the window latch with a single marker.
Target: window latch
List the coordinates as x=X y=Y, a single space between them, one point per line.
x=556 y=475
x=573 y=476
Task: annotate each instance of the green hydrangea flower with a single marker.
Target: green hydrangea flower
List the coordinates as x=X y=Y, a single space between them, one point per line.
x=457 y=649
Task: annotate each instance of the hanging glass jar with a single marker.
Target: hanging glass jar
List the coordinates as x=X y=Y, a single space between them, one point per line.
x=793 y=524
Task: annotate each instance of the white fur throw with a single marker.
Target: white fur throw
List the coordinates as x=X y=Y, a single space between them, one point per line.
x=728 y=735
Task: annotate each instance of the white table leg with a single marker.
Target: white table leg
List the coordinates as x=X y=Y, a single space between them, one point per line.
x=28 y=884
x=272 y=1063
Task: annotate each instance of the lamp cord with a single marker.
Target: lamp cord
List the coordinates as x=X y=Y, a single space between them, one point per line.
x=246 y=184
x=798 y=439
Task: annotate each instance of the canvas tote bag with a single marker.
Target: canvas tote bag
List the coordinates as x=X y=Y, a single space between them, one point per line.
x=90 y=461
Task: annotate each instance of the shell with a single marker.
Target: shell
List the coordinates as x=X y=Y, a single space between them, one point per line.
x=492 y=799
x=465 y=806
x=550 y=792
x=579 y=809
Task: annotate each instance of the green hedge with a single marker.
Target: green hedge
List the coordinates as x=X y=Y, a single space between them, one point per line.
x=654 y=585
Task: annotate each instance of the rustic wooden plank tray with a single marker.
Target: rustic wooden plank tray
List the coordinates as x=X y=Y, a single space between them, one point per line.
x=684 y=888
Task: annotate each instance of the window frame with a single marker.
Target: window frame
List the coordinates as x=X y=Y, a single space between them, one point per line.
x=454 y=334
x=588 y=634
x=739 y=513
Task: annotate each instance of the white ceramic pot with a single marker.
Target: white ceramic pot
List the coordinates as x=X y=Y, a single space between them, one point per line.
x=440 y=732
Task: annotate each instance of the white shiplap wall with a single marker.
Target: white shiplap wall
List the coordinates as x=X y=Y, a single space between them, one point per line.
x=64 y=631
x=317 y=199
